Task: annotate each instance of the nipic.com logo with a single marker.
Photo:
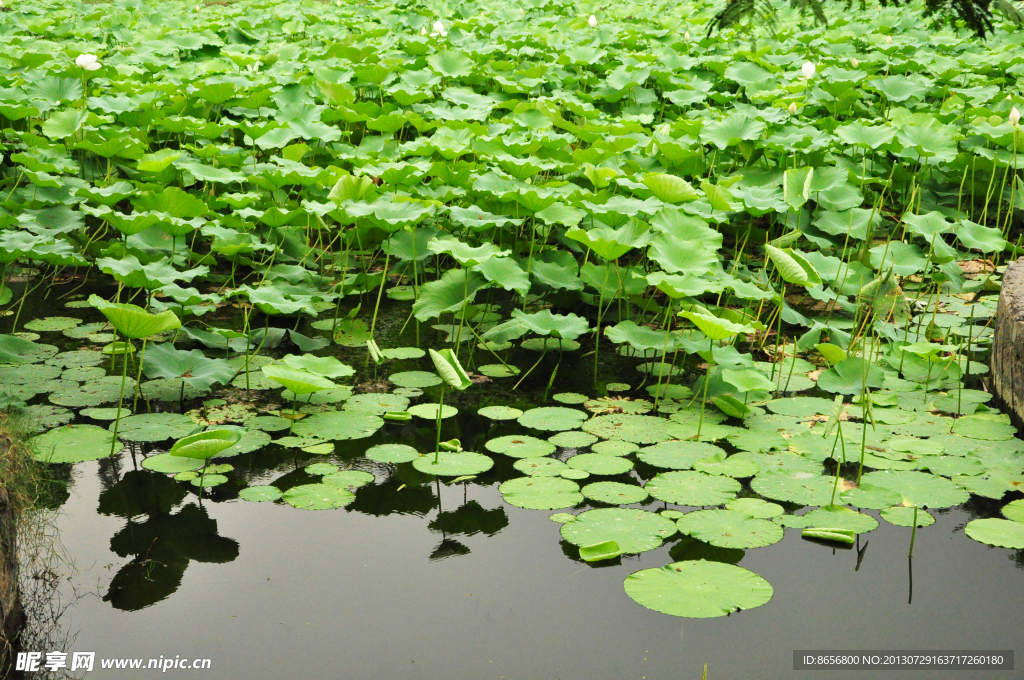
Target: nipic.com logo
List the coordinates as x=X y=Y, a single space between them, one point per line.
x=34 y=662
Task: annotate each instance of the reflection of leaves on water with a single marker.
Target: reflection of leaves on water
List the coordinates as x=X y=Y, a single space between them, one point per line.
x=161 y=548
x=448 y=548
x=688 y=548
x=470 y=519
x=141 y=493
x=386 y=499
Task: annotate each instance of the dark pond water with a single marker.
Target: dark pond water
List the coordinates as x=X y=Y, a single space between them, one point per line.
x=418 y=580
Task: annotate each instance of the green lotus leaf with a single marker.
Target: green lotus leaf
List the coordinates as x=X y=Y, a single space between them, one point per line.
x=541 y=493
x=71 y=444
x=134 y=322
x=299 y=381
x=1003 y=533
x=698 y=589
x=634 y=530
x=205 y=445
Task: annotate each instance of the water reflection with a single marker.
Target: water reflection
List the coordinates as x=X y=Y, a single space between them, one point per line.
x=162 y=545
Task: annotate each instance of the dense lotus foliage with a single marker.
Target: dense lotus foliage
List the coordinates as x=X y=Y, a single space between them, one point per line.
x=768 y=262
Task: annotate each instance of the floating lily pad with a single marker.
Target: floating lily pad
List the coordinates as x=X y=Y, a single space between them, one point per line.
x=170 y=465
x=378 y=403
x=72 y=444
x=324 y=449
x=520 y=446
x=570 y=398
x=540 y=467
x=692 y=488
x=500 y=412
x=918 y=488
x=318 y=497
x=418 y=379
x=800 y=406
x=731 y=466
x=839 y=517
x=260 y=494
x=155 y=427
x=614 y=493
x=348 y=479
x=730 y=529
x=600 y=464
x=52 y=324
x=617 y=387
x=677 y=455
x=1003 y=533
x=27 y=374
x=403 y=353
x=698 y=589
x=392 y=453
x=630 y=428
x=615 y=447
x=497 y=370
x=572 y=439
x=573 y=474
x=541 y=493
x=755 y=507
x=251 y=440
x=634 y=530
x=169 y=389
x=83 y=373
x=562 y=517
x=208 y=481
x=40 y=417
x=903 y=516
x=320 y=469
x=553 y=418
x=871 y=497
x=338 y=425
x=804 y=488
x=1014 y=510
x=985 y=427
x=93 y=393
x=268 y=423
x=451 y=464
x=429 y=411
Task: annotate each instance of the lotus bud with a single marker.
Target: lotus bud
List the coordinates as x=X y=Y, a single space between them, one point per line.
x=1014 y=116
x=592 y=21
x=888 y=40
x=792 y=108
x=438 y=27
x=522 y=12
x=686 y=36
x=807 y=70
x=89 y=62
x=854 y=62
x=1009 y=97
x=423 y=31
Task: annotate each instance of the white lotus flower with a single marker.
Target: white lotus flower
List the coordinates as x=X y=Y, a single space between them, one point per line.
x=808 y=70
x=89 y=62
x=592 y=21
x=439 y=29
x=1014 y=116
x=423 y=31
x=888 y=40
x=686 y=36
x=854 y=62
x=792 y=108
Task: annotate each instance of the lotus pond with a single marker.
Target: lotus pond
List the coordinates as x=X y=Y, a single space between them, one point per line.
x=432 y=340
